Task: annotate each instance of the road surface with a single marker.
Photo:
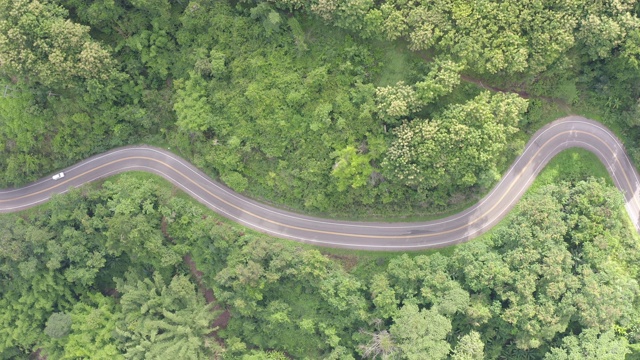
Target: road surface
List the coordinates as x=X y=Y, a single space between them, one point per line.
x=572 y=131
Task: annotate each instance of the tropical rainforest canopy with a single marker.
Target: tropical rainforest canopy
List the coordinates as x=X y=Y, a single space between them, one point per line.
x=345 y=108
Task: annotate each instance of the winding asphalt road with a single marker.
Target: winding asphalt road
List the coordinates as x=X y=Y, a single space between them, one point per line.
x=572 y=131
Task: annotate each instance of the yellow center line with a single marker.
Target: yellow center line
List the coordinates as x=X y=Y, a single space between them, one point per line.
x=60 y=183
x=635 y=199
x=482 y=216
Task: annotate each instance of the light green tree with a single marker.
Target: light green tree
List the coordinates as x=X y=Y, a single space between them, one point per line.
x=90 y=327
x=352 y=168
x=395 y=102
x=383 y=295
x=420 y=334
x=164 y=321
x=469 y=347
x=443 y=77
x=460 y=148
x=38 y=43
x=591 y=345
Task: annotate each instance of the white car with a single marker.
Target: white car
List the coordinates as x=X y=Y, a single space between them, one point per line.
x=58 y=176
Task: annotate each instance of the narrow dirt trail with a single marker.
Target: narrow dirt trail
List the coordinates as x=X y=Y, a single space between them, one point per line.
x=222 y=320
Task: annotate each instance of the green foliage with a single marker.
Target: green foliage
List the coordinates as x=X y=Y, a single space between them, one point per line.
x=383 y=296
x=546 y=281
x=264 y=355
x=397 y=101
x=191 y=104
x=24 y=308
x=420 y=333
x=289 y=298
x=235 y=181
x=565 y=263
x=270 y=18
x=132 y=213
x=50 y=261
x=164 y=321
x=279 y=115
x=93 y=330
x=22 y=134
x=284 y=107
x=400 y=101
x=57 y=71
x=442 y=78
x=460 y=148
x=39 y=43
x=274 y=99
x=590 y=345
x=469 y=347
x=352 y=169
x=40 y=274
x=520 y=289
x=142 y=33
x=267 y=92
x=513 y=38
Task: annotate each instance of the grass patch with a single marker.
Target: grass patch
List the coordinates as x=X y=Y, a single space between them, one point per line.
x=571 y=165
x=397 y=63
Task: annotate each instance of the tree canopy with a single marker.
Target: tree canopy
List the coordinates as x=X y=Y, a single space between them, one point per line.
x=384 y=109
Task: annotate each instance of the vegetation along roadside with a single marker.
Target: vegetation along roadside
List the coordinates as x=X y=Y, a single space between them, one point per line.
x=385 y=109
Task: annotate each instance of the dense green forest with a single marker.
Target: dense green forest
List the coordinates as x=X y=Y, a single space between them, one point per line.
x=356 y=108
x=328 y=106
x=99 y=273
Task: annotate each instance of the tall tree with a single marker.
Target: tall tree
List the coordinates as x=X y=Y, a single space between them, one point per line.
x=279 y=292
x=92 y=331
x=546 y=275
x=591 y=345
x=420 y=334
x=39 y=43
x=469 y=347
x=164 y=321
x=460 y=148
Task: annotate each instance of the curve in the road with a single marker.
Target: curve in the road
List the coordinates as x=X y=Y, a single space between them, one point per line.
x=572 y=131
